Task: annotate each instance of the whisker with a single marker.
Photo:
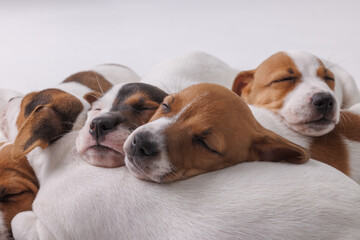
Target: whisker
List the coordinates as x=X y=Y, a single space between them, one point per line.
x=98 y=82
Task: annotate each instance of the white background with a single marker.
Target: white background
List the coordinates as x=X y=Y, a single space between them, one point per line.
x=42 y=42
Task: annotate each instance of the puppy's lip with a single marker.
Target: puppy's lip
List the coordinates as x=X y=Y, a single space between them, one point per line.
x=103 y=148
x=320 y=121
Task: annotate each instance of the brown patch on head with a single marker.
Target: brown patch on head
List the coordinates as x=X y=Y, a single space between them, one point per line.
x=137 y=102
x=326 y=75
x=18 y=185
x=218 y=130
x=91 y=79
x=269 y=83
x=44 y=117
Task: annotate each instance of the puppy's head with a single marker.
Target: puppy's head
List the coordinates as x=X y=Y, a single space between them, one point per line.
x=203 y=128
x=18 y=186
x=297 y=86
x=44 y=117
x=112 y=118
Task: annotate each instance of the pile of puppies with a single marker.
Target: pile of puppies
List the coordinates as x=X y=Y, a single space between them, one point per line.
x=64 y=151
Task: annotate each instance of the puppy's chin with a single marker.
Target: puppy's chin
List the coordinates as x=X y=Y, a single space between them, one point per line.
x=103 y=157
x=140 y=173
x=314 y=129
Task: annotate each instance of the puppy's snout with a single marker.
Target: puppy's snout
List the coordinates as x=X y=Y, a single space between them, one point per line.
x=323 y=102
x=143 y=146
x=101 y=126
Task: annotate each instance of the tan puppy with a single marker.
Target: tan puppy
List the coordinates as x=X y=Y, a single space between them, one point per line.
x=306 y=92
x=203 y=128
x=18 y=187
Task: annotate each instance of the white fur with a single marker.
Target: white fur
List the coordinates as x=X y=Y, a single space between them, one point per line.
x=8 y=118
x=6 y=95
x=345 y=86
x=3 y=230
x=186 y=70
x=256 y=200
x=115 y=73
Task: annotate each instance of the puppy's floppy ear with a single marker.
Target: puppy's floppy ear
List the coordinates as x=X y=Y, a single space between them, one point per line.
x=242 y=80
x=42 y=127
x=271 y=147
x=92 y=96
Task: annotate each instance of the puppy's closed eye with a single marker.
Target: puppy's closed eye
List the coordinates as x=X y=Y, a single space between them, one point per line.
x=206 y=141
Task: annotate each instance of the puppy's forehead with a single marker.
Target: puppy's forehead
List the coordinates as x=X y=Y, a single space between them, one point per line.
x=278 y=61
x=130 y=89
x=306 y=63
x=32 y=100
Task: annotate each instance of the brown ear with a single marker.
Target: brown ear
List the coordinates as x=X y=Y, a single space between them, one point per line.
x=92 y=96
x=273 y=148
x=41 y=128
x=242 y=80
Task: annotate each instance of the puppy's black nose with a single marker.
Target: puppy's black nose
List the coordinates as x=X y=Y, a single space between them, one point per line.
x=143 y=146
x=323 y=102
x=101 y=126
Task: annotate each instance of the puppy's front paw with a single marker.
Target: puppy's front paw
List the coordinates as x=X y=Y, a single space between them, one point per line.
x=24 y=226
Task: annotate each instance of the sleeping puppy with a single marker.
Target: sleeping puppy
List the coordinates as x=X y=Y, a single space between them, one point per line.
x=203 y=128
x=112 y=118
x=18 y=188
x=306 y=92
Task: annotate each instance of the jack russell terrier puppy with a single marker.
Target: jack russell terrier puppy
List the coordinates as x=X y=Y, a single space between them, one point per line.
x=40 y=118
x=112 y=118
x=340 y=148
x=181 y=72
x=256 y=200
x=196 y=131
x=18 y=188
x=306 y=92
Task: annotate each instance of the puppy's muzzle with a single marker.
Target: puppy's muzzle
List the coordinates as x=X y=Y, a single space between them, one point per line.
x=323 y=103
x=143 y=147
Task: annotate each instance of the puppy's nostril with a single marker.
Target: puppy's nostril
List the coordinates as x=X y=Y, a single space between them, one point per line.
x=323 y=102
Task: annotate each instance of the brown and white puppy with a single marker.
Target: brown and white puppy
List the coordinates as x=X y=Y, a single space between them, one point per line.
x=203 y=128
x=40 y=118
x=18 y=188
x=112 y=118
x=306 y=92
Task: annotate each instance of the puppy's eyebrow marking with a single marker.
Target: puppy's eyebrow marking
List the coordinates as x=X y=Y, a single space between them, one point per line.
x=291 y=71
x=23 y=175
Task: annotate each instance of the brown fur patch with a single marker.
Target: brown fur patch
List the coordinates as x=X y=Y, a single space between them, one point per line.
x=44 y=117
x=331 y=148
x=16 y=176
x=91 y=79
x=263 y=86
x=325 y=74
